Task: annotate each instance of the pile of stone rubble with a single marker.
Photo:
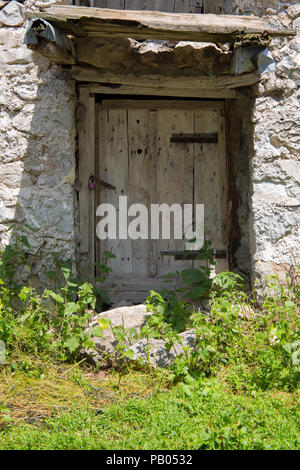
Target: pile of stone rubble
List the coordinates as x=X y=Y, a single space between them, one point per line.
x=155 y=351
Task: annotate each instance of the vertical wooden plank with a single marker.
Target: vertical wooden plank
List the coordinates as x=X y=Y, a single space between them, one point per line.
x=152 y=5
x=174 y=176
x=223 y=264
x=188 y=6
x=182 y=6
x=234 y=142
x=138 y=4
x=210 y=179
x=152 y=155
x=113 y=4
x=86 y=144
x=176 y=6
x=213 y=6
x=163 y=5
x=140 y=181
x=113 y=168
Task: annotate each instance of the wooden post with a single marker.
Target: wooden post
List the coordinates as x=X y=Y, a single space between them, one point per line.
x=86 y=136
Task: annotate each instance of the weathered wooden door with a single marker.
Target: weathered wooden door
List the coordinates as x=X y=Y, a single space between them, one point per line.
x=173 y=6
x=148 y=150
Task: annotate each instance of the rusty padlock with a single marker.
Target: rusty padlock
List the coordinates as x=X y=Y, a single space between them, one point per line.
x=92 y=183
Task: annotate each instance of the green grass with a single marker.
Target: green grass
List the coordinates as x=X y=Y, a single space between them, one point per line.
x=203 y=414
x=249 y=356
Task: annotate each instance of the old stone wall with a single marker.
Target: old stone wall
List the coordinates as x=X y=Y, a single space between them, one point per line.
x=37 y=146
x=274 y=199
x=38 y=139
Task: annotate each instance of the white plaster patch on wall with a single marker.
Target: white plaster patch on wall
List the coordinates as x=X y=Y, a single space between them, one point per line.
x=269 y=191
x=291 y=169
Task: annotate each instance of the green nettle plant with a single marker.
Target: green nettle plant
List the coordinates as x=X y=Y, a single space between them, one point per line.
x=14 y=256
x=103 y=271
x=52 y=322
x=71 y=316
x=122 y=351
x=124 y=338
x=253 y=348
x=197 y=281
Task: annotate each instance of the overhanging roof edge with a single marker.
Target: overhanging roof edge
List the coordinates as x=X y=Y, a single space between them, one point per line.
x=86 y=21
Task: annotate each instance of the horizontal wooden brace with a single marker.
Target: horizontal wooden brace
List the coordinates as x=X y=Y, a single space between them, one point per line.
x=119 y=89
x=169 y=85
x=160 y=104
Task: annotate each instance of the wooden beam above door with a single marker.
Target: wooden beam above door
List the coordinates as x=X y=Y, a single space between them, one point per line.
x=100 y=22
x=212 y=87
x=159 y=104
x=159 y=90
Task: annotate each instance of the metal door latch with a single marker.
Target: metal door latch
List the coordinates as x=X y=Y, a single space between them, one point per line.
x=94 y=181
x=211 y=138
x=181 y=255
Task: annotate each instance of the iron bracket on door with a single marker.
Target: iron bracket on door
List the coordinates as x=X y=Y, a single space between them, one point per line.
x=182 y=255
x=211 y=138
x=93 y=181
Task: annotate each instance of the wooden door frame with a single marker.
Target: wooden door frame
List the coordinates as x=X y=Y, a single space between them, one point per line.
x=87 y=149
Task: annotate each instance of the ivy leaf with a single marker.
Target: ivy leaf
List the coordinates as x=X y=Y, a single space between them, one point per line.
x=193 y=276
x=119 y=334
x=130 y=353
x=108 y=254
x=25 y=241
x=71 y=307
x=196 y=292
x=97 y=332
x=72 y=344
x=30 y=228
x=55 y=296
x=72 y=284
x=66 y=272
x=104 y=323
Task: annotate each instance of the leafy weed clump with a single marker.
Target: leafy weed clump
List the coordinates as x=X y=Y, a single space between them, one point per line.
x=52 y=322
x=255 y=348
